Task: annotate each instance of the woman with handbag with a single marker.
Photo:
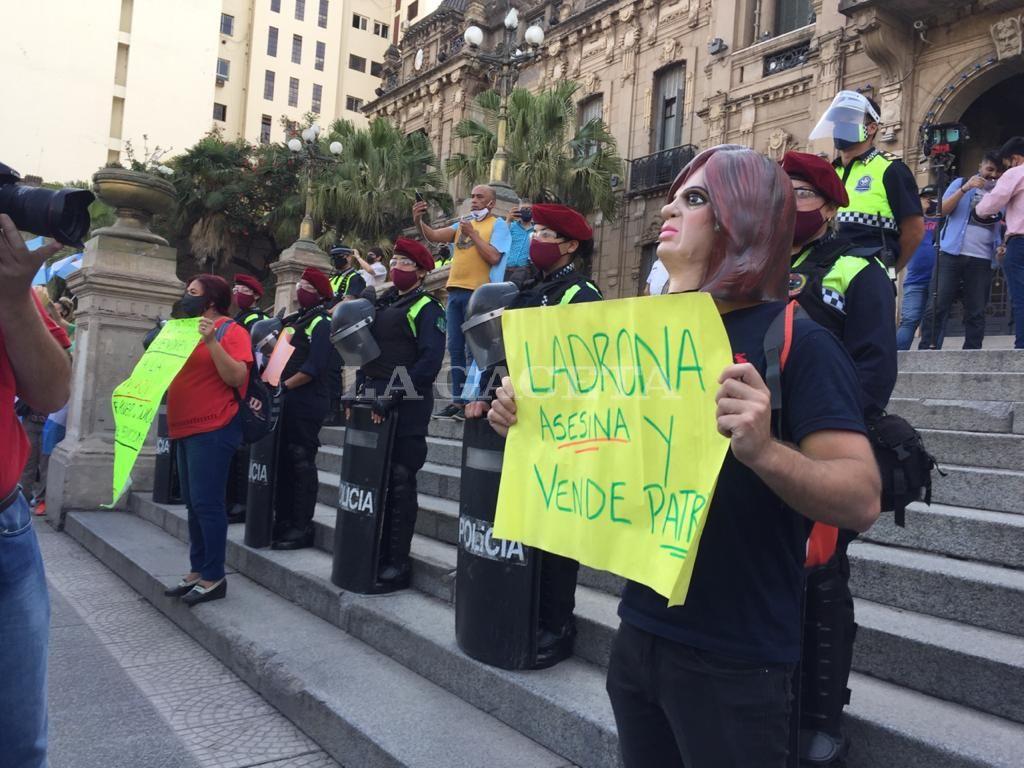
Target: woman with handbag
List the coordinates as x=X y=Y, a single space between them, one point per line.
x=202 y=416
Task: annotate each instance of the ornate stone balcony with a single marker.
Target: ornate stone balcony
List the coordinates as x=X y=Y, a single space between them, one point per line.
x=654 y=172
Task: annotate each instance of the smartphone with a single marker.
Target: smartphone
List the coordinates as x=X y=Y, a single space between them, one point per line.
x=419 y=197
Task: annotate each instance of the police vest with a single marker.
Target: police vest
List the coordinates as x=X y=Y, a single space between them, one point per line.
x=570 y=294
x=301 y=339
x=821 y=276
x=395 y=331
x=249 y=317
x=339 y=283
x=869 y=206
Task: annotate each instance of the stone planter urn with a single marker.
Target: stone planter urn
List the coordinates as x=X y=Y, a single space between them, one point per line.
x=137 y=197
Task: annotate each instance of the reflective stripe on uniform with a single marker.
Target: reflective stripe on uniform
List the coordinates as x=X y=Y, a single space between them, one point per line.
x=415 y=310
x=837 y=280
x=570 y=294
x=313 y=324
x=869 y=202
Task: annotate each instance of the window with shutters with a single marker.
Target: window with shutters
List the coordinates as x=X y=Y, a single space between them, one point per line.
x=792 y=14
x=268 y=85
x=591 y=109
x=272 y=41
x=321 y=17
x=321 y=54
x=318 y=94
x=293 y=91
x=668 y=108
x=296 y=49
x=300 y=9
x=413 y=10
x=265 y=124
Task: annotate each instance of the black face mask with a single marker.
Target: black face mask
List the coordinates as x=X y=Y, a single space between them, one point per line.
x=842 y=144
x=192 y=306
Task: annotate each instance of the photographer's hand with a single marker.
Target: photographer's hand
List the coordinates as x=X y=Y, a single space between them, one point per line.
x=19 y=265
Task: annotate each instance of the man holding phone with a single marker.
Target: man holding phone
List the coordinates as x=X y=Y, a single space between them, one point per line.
x=520 y=227
x=481 y=240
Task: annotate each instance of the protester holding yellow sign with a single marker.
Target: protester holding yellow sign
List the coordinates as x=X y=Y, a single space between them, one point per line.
x=705 y=683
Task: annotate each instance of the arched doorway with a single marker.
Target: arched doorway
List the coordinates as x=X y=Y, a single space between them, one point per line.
x=993 y=116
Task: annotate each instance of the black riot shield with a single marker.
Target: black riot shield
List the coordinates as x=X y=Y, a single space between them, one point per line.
x=259 y=505
x=496 y=584
x=166 y=487
x=362 y=501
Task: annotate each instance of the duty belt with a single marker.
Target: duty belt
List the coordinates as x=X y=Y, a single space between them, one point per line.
x=867 y=219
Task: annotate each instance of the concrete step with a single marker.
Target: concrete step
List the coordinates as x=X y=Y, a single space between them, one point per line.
x=961 y=360
x=975 y=448
x=418 y=631
x=974 y=594
x=1000 y=490
x=360 y=705
x=970 y=415
x=951 y=385
x=445 y=428
x=996 y=538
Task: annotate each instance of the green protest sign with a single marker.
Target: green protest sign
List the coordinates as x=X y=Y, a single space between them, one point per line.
x=136 y=399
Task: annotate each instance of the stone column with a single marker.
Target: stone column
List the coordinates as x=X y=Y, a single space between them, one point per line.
x=123 y=286
x=289 y=267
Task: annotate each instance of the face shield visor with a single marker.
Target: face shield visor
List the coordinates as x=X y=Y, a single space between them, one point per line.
x=844 y=119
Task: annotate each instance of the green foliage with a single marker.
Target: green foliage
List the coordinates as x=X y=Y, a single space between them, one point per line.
x=550 y=156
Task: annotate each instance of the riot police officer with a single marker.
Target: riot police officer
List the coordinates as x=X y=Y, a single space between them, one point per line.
x=847 y=290
x=306 y=403
x=562 y=239
x=245 y=296
x=347 y=279
x=409 y=328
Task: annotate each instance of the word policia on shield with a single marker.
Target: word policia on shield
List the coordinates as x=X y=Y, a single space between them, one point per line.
x=136 y=399
x=615 y=456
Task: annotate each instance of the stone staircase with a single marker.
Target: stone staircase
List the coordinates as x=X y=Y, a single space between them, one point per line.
x=379 y=681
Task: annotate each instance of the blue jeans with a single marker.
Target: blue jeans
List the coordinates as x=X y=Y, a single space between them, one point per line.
x=915 y=296
x=455 y=316
x=1013 y=268
x=24 y=636
x=203 y=464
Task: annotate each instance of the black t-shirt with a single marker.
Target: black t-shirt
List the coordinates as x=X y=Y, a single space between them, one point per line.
x=744 y=597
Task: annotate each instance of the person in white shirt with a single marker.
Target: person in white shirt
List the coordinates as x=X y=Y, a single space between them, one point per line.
x=657 y=279
x=374 y=272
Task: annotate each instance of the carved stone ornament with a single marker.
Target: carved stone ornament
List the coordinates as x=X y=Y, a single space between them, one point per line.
x=592 y=84
x=779 y=143
x=434 y=88
x=1006 y=34
x=652 y=230
x=460 y=94
x=668 y=50
x=626 y=13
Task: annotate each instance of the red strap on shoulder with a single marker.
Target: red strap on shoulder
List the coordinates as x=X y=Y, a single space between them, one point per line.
x=821 y=544
x=787 y=338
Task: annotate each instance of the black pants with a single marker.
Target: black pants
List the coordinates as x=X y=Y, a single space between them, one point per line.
x=976 y=276
x=297 y=479
x=557 y=591
x=681 y=707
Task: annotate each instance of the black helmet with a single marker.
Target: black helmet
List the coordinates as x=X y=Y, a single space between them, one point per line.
x=264 y=334
x=350 y=332
x=483 y=322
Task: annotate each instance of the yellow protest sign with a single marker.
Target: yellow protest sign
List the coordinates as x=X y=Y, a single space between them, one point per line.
x=136 y=400
x=615 y=456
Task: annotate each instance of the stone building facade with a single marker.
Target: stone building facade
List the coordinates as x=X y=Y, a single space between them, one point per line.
x=674 y=76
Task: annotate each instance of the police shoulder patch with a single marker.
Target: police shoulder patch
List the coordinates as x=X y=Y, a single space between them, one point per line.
x=442 y=324
x=864 y=183
x=796 y=284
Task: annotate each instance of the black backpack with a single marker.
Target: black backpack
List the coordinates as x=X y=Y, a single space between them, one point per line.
x=904 y=463
x=257 y=410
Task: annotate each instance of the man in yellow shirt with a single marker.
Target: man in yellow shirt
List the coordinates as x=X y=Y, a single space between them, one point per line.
x=481 y=241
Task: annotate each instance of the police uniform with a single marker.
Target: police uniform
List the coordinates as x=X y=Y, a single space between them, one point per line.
x=410 y=331
x=302 y=416
x=882 y=193
x=564 y=286
x=349 y=282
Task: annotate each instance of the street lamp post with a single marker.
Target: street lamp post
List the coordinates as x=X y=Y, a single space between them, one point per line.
x=505 y=62
x=307 y=151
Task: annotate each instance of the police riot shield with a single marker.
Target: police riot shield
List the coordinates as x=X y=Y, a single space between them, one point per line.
x=496 y=584
x=362 y=501
x=166 y=487
x=259 y=505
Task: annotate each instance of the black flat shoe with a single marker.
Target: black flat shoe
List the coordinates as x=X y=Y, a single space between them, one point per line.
x=201 y=594
x=294 y=540
x=181 y=588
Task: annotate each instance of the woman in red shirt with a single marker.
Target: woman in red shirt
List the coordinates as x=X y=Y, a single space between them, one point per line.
x=202 y=405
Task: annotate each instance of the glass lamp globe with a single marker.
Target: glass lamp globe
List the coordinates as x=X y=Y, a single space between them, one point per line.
x=294 y=145
x=335 y=147
x=474 y=36
x=534 y=35
x=512 y=19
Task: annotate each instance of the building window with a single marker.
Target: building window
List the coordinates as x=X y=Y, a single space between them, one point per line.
x=293 y=91
x=352 y=104
x=223 y=68
x=591 y=109
x=265 y=129
x=227 y=24
x=357 y=63
x=296 y=49
x=380 y=29
x=359 y=22
x=220 y=112
x=268 y=85
x=272 y=41
x=792 y=14
x=321 y=18
x=376 y=68
x=318 y=94
x=275 y=7
x=321 y=53
x=668 y=108
x=413 y=11
x=300 y=9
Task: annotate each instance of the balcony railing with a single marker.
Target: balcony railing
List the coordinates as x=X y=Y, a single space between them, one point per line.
x=787 y=59
x=651 y=173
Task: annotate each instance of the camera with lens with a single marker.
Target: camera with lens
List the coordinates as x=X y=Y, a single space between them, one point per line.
x=943 y=138
x=61 y=214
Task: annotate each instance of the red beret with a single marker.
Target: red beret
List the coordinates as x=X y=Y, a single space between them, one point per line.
x=817 y=172
x=562 y=219
x=318 y=280
x=249 y=282
x=416 y=251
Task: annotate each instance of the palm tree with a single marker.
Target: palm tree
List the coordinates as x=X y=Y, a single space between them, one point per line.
x=550 y=156
x=366 y=198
